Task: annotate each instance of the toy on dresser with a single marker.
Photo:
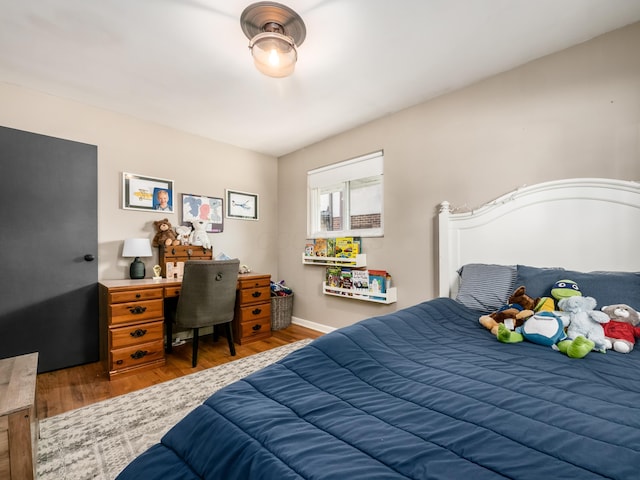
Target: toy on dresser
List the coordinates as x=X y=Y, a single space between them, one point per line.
x=165 y=235
x=199 y=235
x=184 y=234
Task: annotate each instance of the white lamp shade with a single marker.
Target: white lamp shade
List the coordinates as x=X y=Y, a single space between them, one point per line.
x=137 y=247
x=274 y=54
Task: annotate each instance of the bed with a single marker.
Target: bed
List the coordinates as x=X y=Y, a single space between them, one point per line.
x=426 y=392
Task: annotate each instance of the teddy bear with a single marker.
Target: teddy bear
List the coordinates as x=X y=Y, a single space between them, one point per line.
x=512 y=315
x=164 y=234
x=622 y=329
x=584 y=320
x=199 y=235
x=184 y=233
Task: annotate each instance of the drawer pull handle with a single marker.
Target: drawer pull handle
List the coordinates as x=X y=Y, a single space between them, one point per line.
x=138 y=295
x=256 y=294
x=256 y=311
x=139 y=332
x=119 y=362
x=137 y=310
x=138 y=354
x=257 y=327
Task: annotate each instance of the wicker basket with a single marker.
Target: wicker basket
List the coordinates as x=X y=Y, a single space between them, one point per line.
x=281 y=308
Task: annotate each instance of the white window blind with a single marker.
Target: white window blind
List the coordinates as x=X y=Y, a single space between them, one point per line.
x=366 y=166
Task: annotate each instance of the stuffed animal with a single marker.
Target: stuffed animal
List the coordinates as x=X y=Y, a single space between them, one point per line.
x=547 y=328
x=184 y=234
x=578 y=348
x=512 y=315
x=561 y=289
x=584 y=320
x=622 y=329
x=199 y=235
x=564 y=289
x=164 y=234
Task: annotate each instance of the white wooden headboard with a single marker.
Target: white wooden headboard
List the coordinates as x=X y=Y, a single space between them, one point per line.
x=580 y=224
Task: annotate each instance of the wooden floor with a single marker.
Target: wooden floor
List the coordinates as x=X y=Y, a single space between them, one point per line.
x=71 y=388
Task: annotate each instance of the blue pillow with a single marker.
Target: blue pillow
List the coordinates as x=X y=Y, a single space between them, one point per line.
x=607 y=288
x=485 y=287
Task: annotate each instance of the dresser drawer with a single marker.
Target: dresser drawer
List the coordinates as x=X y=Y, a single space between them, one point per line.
x=259 y=326
x=253 y=312
x=136 y=334
x=137 y=355
x=254 y=295
x=254 y=282
x=136 y=311
x=135 y=295
x=170 y=292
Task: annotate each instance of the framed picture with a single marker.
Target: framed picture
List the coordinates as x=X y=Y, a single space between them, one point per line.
x=209 y=209
x=242 y=205
x=147 y=193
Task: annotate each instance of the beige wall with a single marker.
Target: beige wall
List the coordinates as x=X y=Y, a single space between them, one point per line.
x=572 y=114
x=197 y=166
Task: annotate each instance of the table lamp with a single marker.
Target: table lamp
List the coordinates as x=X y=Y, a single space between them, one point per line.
x=137 y=247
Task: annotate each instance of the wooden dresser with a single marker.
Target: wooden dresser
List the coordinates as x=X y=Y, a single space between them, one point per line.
x=132 y=324
x=252 y=320
x=18 y=419
x=132 y=319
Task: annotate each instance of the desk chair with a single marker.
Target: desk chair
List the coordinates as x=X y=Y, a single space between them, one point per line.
x=207 y=298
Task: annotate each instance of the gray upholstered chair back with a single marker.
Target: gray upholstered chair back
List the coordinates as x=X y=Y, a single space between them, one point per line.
x=208 y=293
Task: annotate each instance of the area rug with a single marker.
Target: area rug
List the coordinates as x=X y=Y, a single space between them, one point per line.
x=99 y=440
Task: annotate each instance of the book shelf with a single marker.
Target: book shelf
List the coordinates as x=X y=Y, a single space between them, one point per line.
x=359 y=261
x=390 y=296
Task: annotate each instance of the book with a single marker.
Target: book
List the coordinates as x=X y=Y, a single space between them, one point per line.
x=345 y=279
x=346 y=248
x=320 y=247
x=333 y=276
x=309 y=248
x=360 y=280
x=378 y=283
x=331 y=247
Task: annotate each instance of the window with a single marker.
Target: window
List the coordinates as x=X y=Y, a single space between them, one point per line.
x=346 y=198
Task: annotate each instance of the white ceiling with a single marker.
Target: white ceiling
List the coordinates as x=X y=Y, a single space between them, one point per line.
x=185 y=63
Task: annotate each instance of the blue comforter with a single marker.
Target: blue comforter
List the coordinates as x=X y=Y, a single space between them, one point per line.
x=422 y=393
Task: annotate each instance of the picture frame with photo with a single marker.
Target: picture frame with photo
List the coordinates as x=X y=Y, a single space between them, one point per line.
x=210 y=209
x=151 y=194
x=242 y=205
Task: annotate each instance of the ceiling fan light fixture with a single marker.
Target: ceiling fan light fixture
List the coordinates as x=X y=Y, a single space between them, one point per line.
x=274 y=54
x=274 y=31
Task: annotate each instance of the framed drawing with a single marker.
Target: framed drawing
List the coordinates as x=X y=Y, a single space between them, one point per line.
x=242 y=205
x=206 y=208
x=146 y=193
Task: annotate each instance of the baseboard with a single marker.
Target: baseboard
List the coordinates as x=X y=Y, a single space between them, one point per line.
x=312 y=325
